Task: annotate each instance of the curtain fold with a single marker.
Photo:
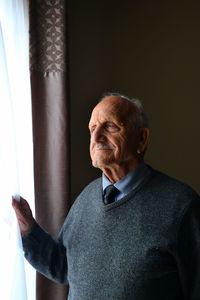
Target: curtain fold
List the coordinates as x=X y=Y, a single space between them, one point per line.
x=50 y=110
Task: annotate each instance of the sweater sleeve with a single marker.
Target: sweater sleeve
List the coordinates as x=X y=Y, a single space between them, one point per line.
x=188 y=250
x=46 y=255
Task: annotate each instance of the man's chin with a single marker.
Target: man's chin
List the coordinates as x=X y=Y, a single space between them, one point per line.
x=100 y=163
x=96 y=164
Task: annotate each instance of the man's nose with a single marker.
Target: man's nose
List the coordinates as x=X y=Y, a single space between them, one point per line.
x=98 y=134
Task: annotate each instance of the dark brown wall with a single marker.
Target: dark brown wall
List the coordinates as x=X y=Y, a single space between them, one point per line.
x=145 y=49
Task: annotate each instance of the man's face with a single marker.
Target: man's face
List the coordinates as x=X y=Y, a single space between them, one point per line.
x=112 y=134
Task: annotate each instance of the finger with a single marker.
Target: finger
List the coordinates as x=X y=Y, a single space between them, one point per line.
x=15 y=203
x=21 y=203
x=18 y=206
x=24 y=202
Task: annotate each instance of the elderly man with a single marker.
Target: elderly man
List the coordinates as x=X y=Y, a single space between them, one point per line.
x=132 y=234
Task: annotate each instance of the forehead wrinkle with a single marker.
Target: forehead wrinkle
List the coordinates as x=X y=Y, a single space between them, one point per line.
x=105 y=115
x=113 y=108
x=122 y=110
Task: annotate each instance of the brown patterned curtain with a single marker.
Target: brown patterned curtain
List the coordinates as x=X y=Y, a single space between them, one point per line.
x=50 y=107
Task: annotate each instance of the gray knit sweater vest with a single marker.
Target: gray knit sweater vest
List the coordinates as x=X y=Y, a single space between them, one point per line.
x=143 y=247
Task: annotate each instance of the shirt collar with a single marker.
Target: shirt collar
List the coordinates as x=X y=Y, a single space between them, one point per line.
x=130 y=181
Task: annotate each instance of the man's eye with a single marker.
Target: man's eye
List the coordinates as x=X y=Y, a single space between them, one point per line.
x=91 y=129
x=111 y=127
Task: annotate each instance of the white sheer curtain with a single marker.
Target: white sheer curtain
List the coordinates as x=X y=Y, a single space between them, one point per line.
x=16 y=162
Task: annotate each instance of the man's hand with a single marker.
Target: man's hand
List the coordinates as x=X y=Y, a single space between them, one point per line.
x=24 y=215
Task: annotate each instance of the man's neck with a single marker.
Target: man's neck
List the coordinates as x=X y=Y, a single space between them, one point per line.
x=116 y=172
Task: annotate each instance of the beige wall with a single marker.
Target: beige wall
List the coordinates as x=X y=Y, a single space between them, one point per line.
x=145 y=49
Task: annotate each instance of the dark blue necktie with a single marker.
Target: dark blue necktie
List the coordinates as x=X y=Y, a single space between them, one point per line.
x=110 y=193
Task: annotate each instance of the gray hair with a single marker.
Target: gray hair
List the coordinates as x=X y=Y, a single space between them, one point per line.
x=140 y=118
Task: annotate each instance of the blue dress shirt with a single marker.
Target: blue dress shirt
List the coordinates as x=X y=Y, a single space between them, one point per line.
x=129 y=182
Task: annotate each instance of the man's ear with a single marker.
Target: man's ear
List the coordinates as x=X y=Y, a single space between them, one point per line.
x=144 y=134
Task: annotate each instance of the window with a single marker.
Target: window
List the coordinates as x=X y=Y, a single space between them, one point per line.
x=16 y=162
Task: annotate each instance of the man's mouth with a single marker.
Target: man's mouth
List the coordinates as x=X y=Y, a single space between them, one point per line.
x=103 y=147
